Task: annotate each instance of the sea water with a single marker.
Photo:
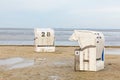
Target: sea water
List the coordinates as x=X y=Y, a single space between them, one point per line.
x=23 y=36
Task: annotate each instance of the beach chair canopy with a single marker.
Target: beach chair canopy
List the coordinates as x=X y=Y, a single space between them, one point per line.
x=87 y=38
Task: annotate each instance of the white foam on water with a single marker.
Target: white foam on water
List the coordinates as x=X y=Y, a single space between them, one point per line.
x=22 y=64
x=11 y=61
x=14 y=63
x=115 y=51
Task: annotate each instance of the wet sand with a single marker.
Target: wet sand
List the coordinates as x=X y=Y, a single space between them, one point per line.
x=54 y=66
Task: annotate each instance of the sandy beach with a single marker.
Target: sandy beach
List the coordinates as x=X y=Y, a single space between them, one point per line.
x=53 y=66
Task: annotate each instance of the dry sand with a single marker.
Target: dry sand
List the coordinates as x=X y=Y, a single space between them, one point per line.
x=56 y=66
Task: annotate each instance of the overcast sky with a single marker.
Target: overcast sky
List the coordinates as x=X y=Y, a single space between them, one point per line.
x=60 y=13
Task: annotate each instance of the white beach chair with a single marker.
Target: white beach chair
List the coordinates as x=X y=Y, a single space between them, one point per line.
x=44 y=40
x=90 y=56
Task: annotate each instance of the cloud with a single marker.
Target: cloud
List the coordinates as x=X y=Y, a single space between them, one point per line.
x=60 y=12
x=73 y=6
x=101 y=11
x=31 y=5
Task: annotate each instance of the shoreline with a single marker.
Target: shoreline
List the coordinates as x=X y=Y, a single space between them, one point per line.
x=60 y=46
